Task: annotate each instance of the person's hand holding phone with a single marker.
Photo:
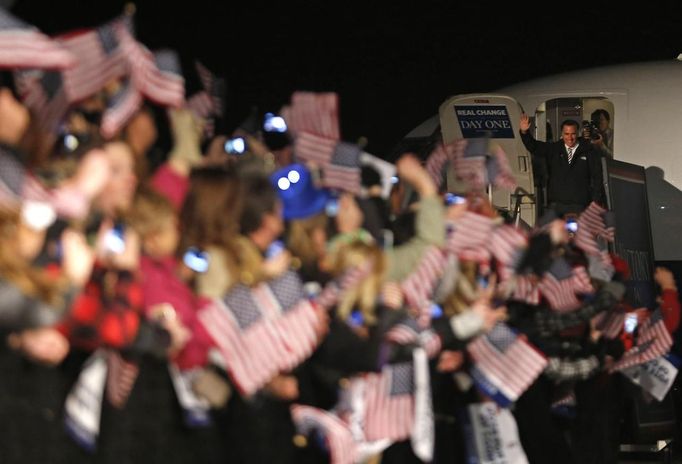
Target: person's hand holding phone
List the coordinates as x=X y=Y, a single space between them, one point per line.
x=118 y=246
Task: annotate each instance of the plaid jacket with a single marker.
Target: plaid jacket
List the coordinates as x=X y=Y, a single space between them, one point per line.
x=108 y=312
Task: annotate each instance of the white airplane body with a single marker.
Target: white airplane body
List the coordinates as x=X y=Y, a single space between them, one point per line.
x=644 y=101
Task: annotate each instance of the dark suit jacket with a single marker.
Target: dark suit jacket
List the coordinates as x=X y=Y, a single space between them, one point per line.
x=571 y=186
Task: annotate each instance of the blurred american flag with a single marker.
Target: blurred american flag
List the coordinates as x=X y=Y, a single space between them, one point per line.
x=121 y=377
x=101 y=59
x=208 y=103
x=262 y=331
x=337 y=435
x=419 y=286
x=315 y=113
x=560 y=284
x=339 y=161
x=389 y=402
x=653 y=340
x=504 y=364
x=480 y=163
x=44 y=94
x=440 y=156
x=24 y=46
x=104 y=55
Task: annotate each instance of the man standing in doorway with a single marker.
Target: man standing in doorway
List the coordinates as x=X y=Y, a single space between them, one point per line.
x=574 y=173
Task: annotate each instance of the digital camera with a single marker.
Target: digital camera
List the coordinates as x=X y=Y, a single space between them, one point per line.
x=591 y=130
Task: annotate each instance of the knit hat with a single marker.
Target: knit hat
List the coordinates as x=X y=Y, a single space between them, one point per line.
x=300 y=197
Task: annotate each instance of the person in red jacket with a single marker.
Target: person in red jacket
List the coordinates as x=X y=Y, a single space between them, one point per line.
x=668 y=298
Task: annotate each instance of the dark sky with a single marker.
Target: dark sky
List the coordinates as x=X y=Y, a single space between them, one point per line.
x=392 y=65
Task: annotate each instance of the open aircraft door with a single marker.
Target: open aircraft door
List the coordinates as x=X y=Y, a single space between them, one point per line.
x=495 y=116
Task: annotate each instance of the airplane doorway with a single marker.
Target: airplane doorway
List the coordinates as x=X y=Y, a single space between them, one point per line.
x=595 y=113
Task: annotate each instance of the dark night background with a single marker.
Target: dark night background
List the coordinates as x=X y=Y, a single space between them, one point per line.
x=391 y=65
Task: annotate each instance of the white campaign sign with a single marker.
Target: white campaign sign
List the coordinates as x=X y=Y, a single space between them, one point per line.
x=655 y=377
x=496 y=437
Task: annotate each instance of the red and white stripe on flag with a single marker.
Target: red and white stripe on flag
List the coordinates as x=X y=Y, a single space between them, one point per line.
x=275 y=343
x=48 y=105
x=336 y=433
x=405 y=334
x=342 y=177
x=322 y=152
x=312 y=148
x=609 y=323
x=121 y=377
x=163 y=87
x=389 y=403
x=471 y=231
x=440 y=156
x=331 y=293
x=511 y=369
x=592 y=219
x=521 y=288
x=316 y=113
x=471 y=170
x=505 y=177
x=435 y=163
x=100 y=60
x=24 y=46
x=585 y=240
x=653 y=340
x=209 y=83
x=561 y=294
x=507 y=244
x=126 y=105
x=418 y=287
x=201 y=104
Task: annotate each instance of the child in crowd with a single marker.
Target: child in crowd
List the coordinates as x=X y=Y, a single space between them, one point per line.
x=166 y=296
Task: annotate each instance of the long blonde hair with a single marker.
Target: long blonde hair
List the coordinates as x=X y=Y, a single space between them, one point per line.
x=300 y=237
x=464 y=292
x=32 y=281
x=362 y=296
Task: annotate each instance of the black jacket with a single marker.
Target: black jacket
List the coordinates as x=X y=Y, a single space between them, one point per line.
x=572 y=186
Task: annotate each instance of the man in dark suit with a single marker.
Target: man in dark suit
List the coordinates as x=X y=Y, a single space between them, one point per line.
x=574 y=173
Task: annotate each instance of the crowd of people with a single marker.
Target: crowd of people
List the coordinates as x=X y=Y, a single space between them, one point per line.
x=274 y=304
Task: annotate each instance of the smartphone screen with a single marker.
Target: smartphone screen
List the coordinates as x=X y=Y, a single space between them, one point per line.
x=332 y=207
x=196 y=260
x=235 y=146
x=274 y=249
x=630 y=323
x=273 y=123
x=114 y=239
x=452 y=199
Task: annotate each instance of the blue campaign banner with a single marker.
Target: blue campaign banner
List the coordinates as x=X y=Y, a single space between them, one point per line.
x=477 y=121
